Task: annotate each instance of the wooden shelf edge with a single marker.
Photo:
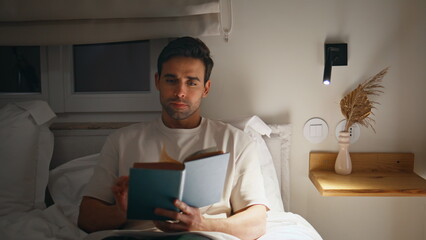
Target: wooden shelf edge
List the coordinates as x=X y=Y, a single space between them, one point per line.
x=316 y=183
x=373 y=174
x=320 y=178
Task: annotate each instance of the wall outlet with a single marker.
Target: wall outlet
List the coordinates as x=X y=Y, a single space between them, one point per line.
x=354 y=131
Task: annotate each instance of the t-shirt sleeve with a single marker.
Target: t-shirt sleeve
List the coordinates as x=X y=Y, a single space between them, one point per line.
x=249 y=188
x=105 y=174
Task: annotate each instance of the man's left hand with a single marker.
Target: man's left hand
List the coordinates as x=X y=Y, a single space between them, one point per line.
x=189 y=219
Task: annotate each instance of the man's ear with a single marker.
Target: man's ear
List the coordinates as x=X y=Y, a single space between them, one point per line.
x=157 y=80
x=206 y=88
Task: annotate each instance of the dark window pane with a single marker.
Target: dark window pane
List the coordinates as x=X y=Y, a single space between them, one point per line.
x=20 y=69
x=115 y=67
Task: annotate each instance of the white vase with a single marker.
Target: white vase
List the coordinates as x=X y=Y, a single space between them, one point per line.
x=343 y=163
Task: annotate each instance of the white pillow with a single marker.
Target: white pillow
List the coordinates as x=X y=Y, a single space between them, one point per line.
x=279 y=146
x=256 y=128
x=67 y=182
x=25 y=154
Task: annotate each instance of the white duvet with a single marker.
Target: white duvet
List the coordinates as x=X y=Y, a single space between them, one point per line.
x=51 y=223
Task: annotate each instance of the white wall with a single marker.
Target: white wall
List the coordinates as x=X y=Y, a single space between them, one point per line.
x=273 y=66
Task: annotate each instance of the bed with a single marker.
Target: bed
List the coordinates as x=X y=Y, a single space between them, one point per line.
x=26 y=178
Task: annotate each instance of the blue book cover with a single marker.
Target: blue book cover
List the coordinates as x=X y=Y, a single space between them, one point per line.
x=150 y=189
x=198 y=183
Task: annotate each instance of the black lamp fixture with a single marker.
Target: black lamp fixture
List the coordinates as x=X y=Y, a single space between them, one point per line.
x=336 y=54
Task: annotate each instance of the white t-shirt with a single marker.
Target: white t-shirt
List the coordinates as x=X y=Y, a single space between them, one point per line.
x=143 y=142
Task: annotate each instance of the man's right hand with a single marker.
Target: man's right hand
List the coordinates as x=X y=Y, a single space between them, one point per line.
x=120 y=190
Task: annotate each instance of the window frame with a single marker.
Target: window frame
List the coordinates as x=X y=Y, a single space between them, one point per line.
x=61 y=61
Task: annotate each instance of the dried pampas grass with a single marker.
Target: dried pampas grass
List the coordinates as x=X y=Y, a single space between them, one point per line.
x=356 y=105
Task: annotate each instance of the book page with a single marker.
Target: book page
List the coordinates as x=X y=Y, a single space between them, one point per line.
x=159 y=165
x=205 y=180
x=204 y=153
x=164 y=157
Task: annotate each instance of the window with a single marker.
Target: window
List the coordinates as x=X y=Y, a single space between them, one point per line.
x=114 y=77
x=20 y=69
x=115 y=67
x=23 y=73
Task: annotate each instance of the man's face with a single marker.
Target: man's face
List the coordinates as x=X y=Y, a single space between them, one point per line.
x=182 y=87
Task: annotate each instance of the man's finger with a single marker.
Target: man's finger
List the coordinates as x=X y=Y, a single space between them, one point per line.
x=167 y=213
x=183 y=206
x=183 y=219
x=170 y=227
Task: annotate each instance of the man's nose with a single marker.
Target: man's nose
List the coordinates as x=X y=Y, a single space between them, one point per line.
x=181 y=90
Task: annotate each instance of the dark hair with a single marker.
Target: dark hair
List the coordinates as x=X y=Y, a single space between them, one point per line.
x=187 y=47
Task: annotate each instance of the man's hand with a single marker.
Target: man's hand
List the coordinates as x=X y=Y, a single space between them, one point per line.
x=120 y=190
x=248 y=223
x=189 y=219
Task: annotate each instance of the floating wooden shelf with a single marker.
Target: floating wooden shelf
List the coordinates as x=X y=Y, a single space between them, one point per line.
x=373 y=174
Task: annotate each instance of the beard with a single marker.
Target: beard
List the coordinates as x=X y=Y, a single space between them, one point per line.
x=179 y=114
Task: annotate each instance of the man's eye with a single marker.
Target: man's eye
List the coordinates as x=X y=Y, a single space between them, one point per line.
x=192 y=83
x=170 y=80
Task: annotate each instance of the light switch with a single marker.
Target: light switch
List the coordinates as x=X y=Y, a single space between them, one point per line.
x=315 y=130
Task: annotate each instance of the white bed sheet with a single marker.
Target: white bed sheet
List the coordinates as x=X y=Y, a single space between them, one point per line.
x=280 y=226
x=51 y=223
x=288 y=226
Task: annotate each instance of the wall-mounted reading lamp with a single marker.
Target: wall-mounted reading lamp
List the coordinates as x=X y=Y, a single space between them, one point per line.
x=336 y=54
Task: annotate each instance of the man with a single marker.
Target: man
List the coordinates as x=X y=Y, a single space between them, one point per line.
x=183 y=80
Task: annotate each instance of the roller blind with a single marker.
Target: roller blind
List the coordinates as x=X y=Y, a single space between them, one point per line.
x=61 y=22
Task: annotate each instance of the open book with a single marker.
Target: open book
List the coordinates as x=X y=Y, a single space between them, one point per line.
x=198 y=182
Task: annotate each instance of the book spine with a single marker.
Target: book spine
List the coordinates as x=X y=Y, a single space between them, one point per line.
x=182 y=185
